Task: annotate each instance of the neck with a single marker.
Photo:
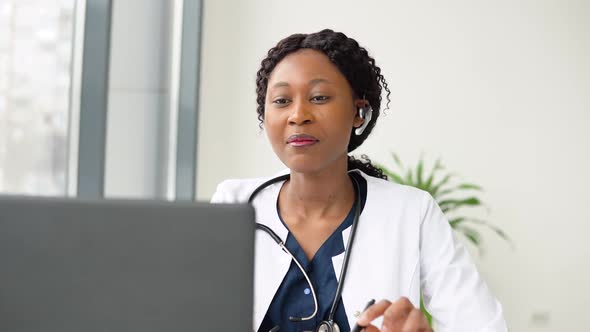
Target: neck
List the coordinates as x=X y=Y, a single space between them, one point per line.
x=329 y=192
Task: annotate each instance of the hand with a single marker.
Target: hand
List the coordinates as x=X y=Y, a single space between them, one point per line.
x=400 y=316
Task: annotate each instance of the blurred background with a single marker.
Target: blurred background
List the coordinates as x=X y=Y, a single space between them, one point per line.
x=156 y=99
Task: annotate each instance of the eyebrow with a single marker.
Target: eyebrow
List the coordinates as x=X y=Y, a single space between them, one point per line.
x=315 y=81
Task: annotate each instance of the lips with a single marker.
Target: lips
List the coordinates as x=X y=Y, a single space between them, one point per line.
x=302 y=140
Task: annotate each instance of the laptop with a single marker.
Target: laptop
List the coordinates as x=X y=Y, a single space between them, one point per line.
x=69 y=265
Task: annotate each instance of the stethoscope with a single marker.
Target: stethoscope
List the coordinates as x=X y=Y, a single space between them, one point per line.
x=328 y=325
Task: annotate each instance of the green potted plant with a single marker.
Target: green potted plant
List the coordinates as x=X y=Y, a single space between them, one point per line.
x=452 y=197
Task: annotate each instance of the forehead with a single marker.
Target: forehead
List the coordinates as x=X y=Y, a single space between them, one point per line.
x=304 y=66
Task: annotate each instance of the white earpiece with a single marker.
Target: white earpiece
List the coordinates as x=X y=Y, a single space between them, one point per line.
x=365 y=114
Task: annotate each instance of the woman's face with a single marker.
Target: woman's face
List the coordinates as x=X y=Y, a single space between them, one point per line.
x=309 y=112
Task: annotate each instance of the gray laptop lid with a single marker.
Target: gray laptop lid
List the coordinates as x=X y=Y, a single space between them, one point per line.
x=85 y=266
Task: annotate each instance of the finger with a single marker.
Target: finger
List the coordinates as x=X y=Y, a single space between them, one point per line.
x=373 y=312
x=396 y=315
x=416 y=322
x=370 y=328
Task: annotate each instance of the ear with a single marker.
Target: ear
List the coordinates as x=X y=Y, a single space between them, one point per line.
x=359 y=103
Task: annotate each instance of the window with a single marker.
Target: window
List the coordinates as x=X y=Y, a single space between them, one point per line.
x=36 y=43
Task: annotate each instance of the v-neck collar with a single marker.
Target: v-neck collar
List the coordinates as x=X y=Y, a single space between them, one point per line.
x=271 y=265
x=345 y=224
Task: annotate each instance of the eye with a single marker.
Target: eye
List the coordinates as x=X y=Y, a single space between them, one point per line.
x=320 y=99
x=281 y=101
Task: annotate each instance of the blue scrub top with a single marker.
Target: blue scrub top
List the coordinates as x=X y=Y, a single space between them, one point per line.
x=293 y=297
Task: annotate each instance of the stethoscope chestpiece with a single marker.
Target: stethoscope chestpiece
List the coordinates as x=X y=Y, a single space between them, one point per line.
x=328 y=326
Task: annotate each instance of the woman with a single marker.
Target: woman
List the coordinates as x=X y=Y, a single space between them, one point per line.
x=319 y=97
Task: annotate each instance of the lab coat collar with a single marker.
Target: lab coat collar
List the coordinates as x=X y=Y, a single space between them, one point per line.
x=271 y=264
x=274 y=264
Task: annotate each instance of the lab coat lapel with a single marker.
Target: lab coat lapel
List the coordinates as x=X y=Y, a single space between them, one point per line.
x=338 y=260
x=271 y=264
x=352 y=299
x=357 y=290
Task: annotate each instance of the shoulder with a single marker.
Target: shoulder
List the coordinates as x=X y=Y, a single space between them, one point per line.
x=238 y=190
x=235 y=190
x=387 y=191
x=397 y=202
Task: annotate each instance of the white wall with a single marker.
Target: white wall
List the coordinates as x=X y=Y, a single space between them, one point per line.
x=499 y=90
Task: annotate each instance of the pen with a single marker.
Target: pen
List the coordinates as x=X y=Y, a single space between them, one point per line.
x=357 y=327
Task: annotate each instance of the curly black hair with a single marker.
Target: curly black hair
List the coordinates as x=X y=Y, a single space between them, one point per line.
x=353 y=61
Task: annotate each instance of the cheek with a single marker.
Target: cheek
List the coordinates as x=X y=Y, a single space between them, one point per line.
x=340 y=126
x=272 y=126
x=344 y=138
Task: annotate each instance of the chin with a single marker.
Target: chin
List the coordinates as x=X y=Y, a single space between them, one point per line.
x=306 y=164
x=302 y=168
x=302 y=164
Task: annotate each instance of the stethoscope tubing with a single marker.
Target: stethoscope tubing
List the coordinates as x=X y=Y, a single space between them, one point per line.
x=281 y=244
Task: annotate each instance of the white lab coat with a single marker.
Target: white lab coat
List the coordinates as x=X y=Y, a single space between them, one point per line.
x=404 y=244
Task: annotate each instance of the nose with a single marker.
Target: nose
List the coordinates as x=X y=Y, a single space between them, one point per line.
x=300 y=115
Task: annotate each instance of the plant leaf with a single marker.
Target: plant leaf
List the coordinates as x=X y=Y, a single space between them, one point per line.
x=397 y=160
x=423 y=309
x=471 y=234
x=456 y=221
x=453 y=204
x=437 y=166
x=469 y=186
x=410 y=178
x=493 y=227
x=438 y=186
x=419 y=173
x=442 y=193
x=463 y=186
